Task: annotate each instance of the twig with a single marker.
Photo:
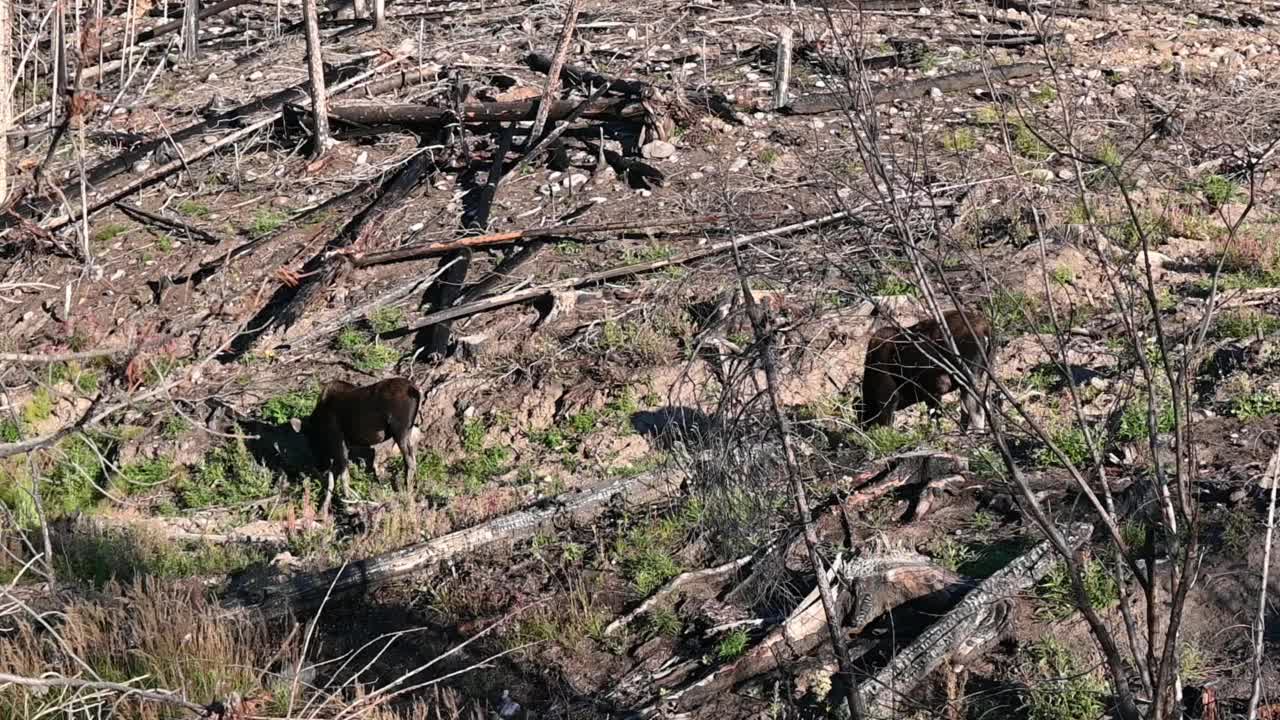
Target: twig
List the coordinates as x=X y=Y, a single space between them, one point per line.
x=1260 y=622
x=165 y=697
x=61 y=357
x=553 y=75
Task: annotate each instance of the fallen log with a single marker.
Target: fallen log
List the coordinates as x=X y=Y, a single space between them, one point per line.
x=166 y=28
x=1051 y=9
x=966 y=631
x=168 y=224
x=530 y=294
x=831 y=102
x=300 y=593
x=428 y=250
x=424 y=117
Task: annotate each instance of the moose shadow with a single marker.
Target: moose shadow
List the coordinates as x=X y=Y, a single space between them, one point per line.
x=672 y=425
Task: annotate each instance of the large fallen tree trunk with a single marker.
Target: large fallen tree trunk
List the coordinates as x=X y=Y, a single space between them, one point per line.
x=423 y=116
x=831 y=102
x=309 y=591
x=964 y=632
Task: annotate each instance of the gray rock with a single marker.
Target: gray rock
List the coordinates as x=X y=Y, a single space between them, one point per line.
x=658 y=150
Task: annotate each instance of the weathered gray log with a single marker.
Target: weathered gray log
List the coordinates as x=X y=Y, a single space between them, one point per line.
x=305 y=592
x=968 y=629
x=831 y=102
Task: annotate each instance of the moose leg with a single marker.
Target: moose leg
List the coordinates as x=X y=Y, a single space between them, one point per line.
x=328 y=494
x=405 y=442
x=972 y=416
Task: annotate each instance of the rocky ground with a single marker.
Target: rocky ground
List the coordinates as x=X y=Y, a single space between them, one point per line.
x=1141 y=125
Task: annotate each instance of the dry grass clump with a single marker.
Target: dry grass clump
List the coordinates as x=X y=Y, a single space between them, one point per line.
x=152 y=635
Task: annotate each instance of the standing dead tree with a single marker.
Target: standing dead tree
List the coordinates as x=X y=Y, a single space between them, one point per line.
x=315 y=71
x=191 y=29
x=6 y=99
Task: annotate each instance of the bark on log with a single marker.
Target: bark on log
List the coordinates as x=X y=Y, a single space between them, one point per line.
x=967 y=630
x=422 y=117
x=831 y=102
x=308 y=591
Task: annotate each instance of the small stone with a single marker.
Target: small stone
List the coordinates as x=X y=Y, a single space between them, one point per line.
x=576 y=180
x=142 y=166
x=255 y=75
x=658 y=150
x=210 y=139
x=844 y=193
x=935 y=93
x=1162 y=46
x=738 y=165
x=753 y=77
x=695 y=175
x=417 y=227
x=1125 y=91
x=281 y=201
x=818 y=124
x=1041 y=175
x=211 y=77
x=1066 y=174
x=363 y=158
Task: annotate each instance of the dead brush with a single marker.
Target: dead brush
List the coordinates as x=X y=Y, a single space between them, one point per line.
x=171 y=633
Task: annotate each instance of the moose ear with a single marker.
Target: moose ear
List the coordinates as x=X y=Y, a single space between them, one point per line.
x=296 y=424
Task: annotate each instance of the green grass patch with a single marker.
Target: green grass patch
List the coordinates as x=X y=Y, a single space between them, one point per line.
x=266 y=222
x=193 y=209
x=1044 y=94
x=123 y=556
x=1256 y=405
x=386 y=320
x=71 y=483
x=646 y=553
x=108 y=232
x=366 y=353
x=296 y=404
x=986 y=464
x=1058 y=602
x=1156 y=227
x=1071 y=441
x=1216 y=190
x=988 y=115
x=732 y=645
x=1060 y=686
x=1133 y=421
x=1026 y=144
x=16 y=494
x=39 y=408
x=1243 y=324
x=661 y=622
x=143 y=475
x=960 y=140
x=883 y=440
x=227 y=475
